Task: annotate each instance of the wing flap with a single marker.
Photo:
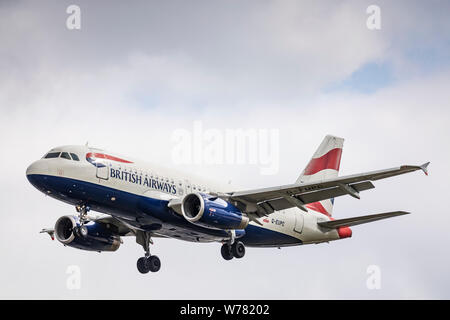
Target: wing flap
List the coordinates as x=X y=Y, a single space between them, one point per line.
x=348 y=222
x=335 y=192
x=283 y=203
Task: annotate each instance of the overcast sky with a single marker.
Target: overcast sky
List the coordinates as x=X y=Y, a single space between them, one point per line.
x=136 y=72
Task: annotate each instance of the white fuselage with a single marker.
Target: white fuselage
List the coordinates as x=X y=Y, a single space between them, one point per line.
x=137 y=194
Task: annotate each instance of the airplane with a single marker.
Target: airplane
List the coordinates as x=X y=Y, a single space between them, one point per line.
x=134 y=198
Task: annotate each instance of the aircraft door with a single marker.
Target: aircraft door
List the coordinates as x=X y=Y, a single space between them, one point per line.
x=102 y=170
x=299 y=221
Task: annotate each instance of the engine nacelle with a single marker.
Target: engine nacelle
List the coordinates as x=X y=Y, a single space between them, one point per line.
x=212 y=212
x=98 y=237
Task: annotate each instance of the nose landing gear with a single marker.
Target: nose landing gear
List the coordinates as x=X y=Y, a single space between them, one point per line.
x=82 y=215
x=148 y=262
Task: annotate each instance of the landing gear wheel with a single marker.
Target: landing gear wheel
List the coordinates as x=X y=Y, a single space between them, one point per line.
x=238 y=249
x=83 y=231
x=142 y=265
x=153 y=263
x=227 y=254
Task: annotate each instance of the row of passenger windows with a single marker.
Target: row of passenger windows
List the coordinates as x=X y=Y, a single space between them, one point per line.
x=73 y=156
x=161 y=178
x=64 y=155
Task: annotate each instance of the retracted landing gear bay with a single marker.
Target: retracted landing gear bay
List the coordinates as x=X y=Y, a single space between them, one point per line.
x=148 y=262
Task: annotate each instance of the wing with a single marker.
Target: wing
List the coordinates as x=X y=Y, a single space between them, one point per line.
x=123 y=228
x=119 y=227
x=265 y=201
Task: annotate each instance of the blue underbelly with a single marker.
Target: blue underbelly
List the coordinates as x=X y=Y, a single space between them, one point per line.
x=147 y=211
x=260 y=237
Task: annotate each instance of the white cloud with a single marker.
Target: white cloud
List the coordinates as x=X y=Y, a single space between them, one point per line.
x=131 y=101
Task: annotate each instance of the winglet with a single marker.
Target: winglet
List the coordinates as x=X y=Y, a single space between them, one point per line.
x=424 y=168
x=51 y=232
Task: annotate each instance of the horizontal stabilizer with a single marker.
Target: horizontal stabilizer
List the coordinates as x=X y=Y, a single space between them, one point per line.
x=348 y=222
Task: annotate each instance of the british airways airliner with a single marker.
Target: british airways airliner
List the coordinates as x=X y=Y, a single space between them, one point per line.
x=147 y=201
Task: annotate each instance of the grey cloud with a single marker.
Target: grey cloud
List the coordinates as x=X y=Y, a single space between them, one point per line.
x=134 y=75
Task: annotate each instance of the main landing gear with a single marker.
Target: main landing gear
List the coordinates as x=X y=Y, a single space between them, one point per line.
x=235 y=250
x=148 y=262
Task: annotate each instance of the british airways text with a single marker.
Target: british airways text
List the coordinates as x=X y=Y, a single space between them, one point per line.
x=143 y=181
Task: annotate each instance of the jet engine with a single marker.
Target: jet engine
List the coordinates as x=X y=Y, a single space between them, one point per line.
x=212 y=212
x=93 y=236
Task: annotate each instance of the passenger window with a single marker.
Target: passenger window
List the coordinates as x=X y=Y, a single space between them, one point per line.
x=75 y=157
x=65 y=155
x=52 y=155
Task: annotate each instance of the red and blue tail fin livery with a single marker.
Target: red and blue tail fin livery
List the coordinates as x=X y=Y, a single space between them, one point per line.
x=323 y=165
x=325 y=162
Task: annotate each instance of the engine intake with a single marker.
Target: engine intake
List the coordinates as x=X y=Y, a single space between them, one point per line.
x=212 y=212
x=98 y=237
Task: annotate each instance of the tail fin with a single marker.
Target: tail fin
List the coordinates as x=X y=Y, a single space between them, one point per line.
x=323 y=165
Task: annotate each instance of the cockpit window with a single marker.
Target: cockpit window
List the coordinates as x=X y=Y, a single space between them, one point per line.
x=75 y=157
x=52 y=155
x=65 y=155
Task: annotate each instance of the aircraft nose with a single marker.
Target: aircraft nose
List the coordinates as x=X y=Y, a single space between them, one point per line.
x=36 y=174
x=37 y=167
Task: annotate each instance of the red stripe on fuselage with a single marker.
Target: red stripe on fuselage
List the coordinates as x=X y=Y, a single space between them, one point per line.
x=105 y=156
x=317 y=206
x=330 y=160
